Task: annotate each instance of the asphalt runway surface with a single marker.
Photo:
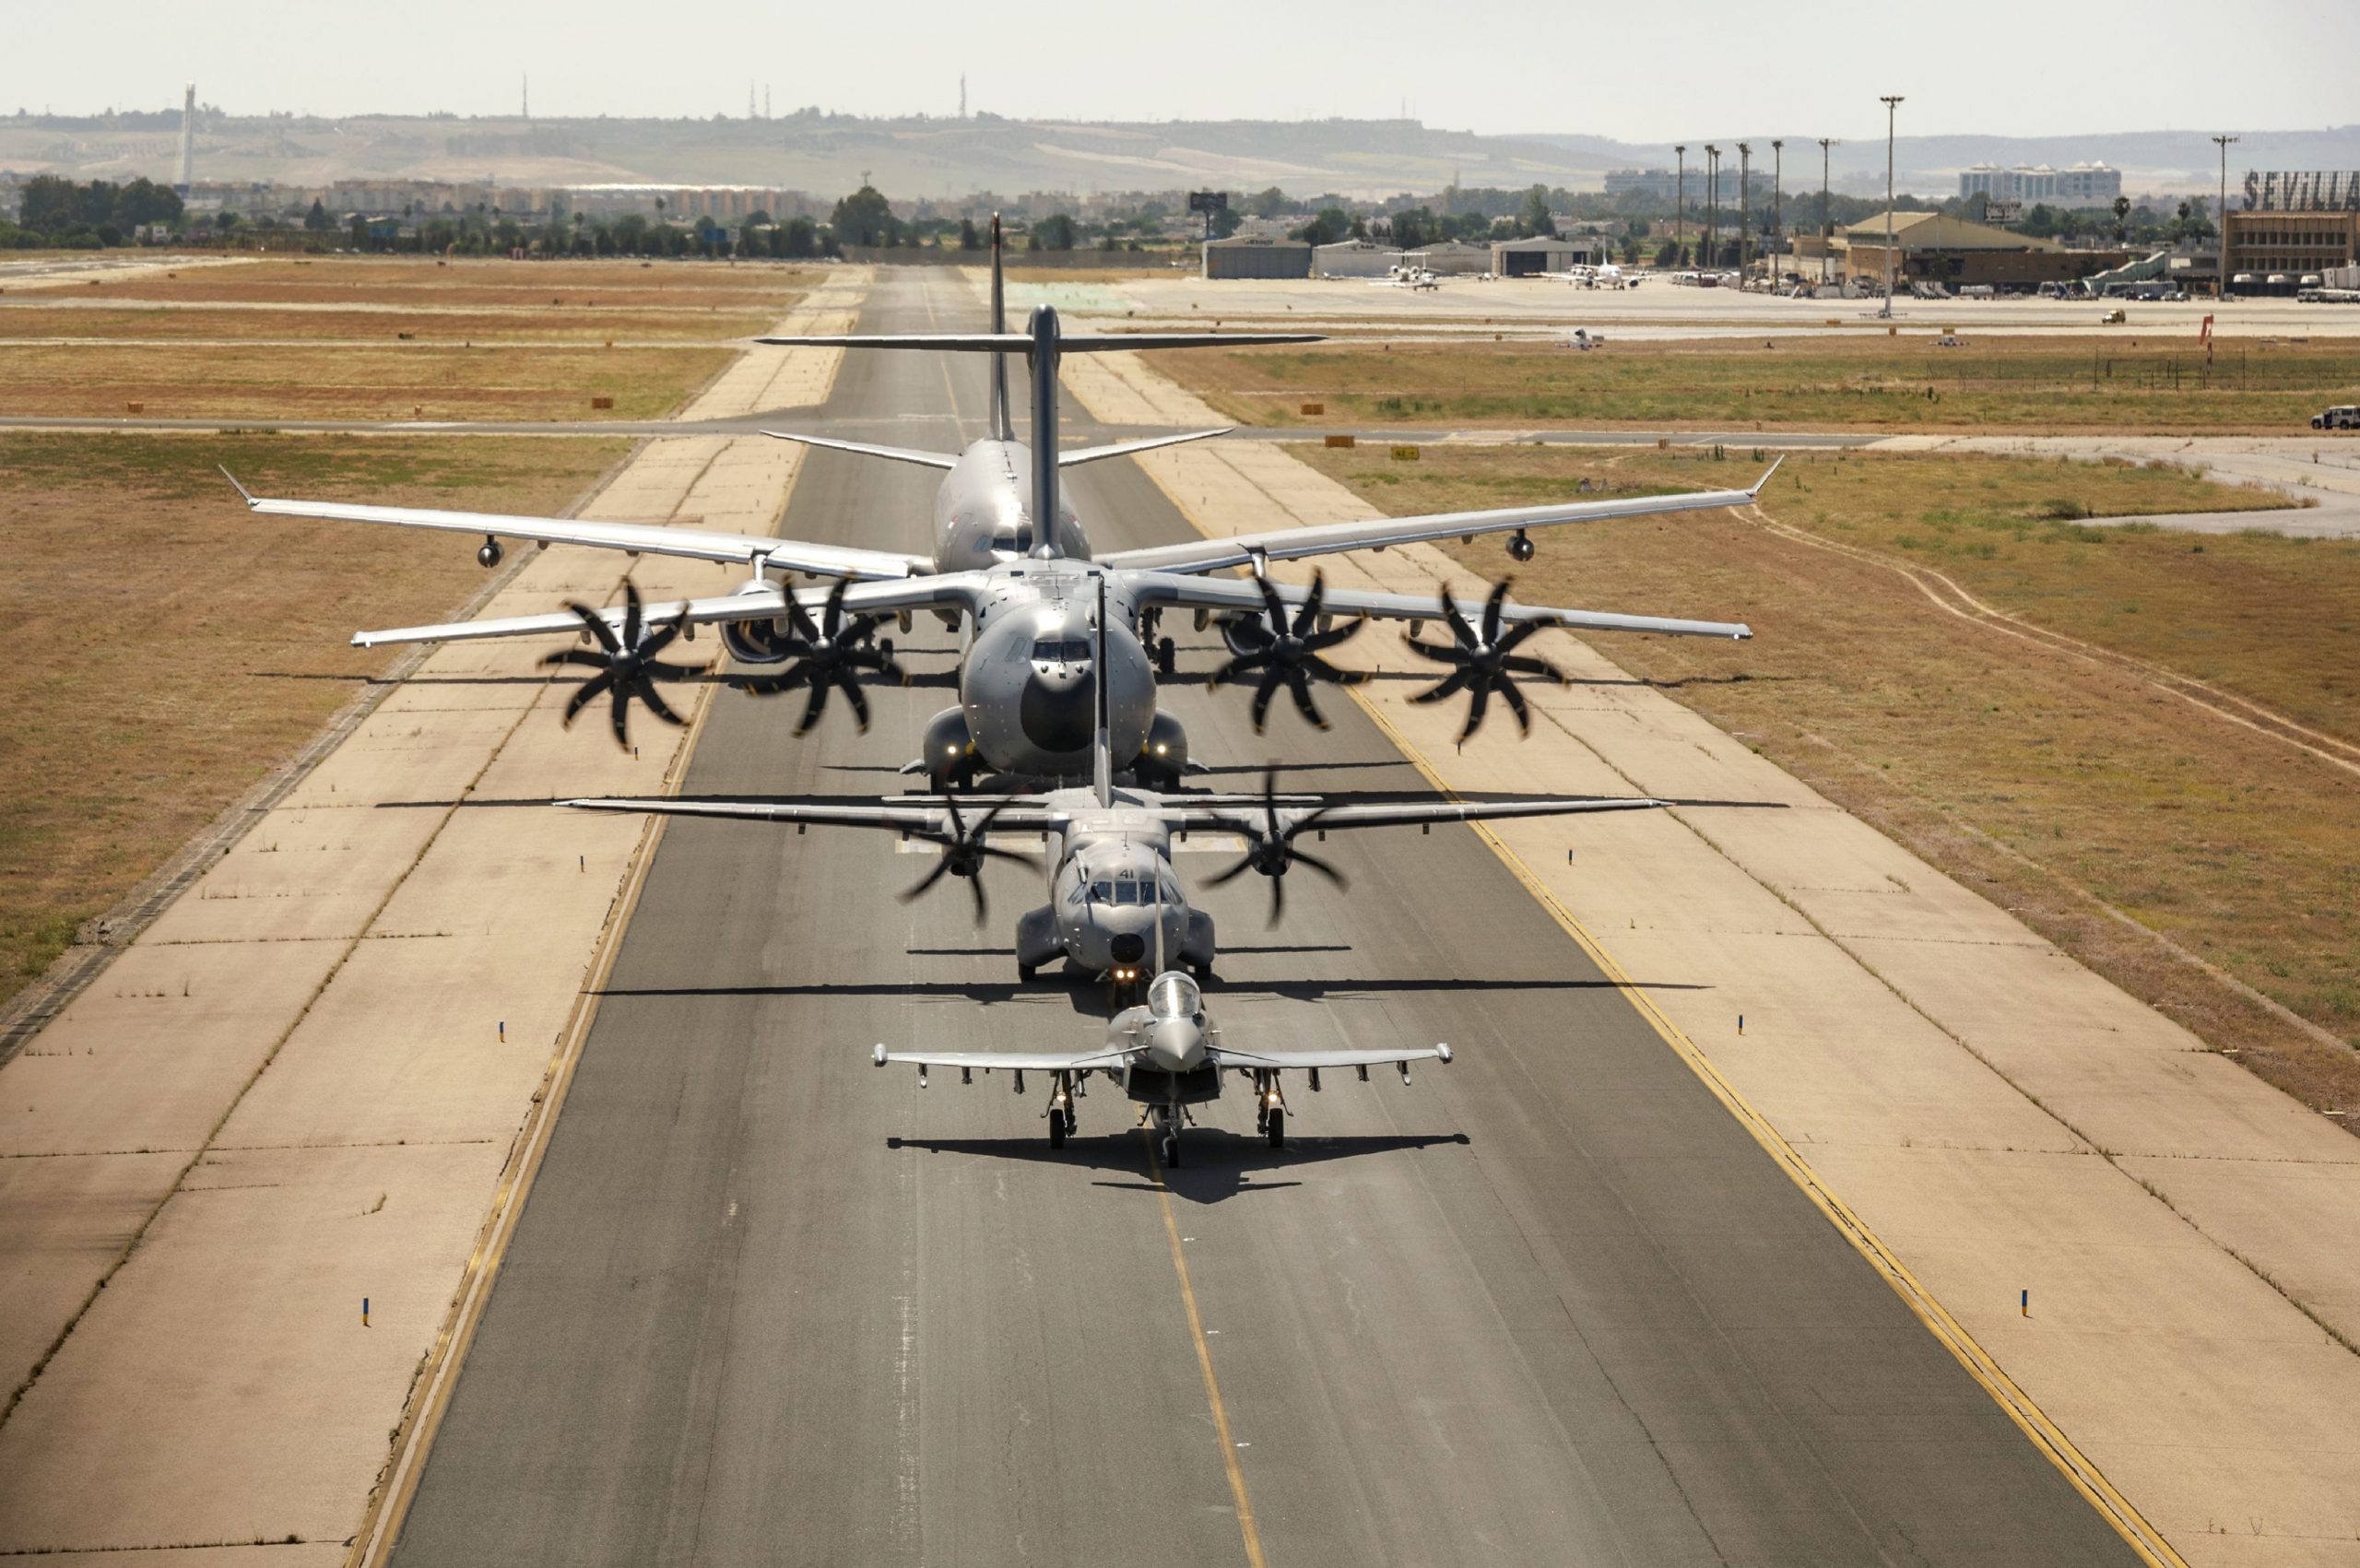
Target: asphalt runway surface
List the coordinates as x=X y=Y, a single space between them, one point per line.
x=1548 y=1304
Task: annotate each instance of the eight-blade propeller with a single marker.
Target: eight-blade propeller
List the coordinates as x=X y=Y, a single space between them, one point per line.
x=828 y=656
x=964 y=853
x=1273 y=850
x=1484 y=664
x=1287 y=654
x=627 y=666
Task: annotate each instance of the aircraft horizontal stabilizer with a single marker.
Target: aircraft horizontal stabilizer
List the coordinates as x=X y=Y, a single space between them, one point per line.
x=1022 y=343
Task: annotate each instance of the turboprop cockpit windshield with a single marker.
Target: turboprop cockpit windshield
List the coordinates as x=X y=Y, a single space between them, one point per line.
x=1174 y=995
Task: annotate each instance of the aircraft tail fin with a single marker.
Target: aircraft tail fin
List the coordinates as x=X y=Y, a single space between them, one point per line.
x=1001 y=428
x=1102 y=745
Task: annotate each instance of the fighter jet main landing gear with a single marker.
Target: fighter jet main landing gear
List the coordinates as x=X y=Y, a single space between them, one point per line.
x=1060 y=1109
x=1270 y=1109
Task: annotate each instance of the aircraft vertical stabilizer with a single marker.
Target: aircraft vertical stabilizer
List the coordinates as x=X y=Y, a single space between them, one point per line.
x=1002 y=429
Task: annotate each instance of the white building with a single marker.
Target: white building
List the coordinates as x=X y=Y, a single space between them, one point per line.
x=2084 y=184
x=1353 y=258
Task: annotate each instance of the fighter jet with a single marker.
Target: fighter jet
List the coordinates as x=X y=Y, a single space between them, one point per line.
x=1013 y=568
x=1114 y=898
x=1166 y=1054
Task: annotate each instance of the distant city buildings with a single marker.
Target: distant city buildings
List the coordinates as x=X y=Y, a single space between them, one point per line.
x=2084 y=184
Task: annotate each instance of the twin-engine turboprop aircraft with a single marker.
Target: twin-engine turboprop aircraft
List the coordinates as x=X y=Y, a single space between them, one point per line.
x=1013 y=566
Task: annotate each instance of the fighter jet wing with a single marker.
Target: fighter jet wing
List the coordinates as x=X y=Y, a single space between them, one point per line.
x=1291 y=544
x=906 y=593
x=919 y=818
x=1286 y=1061
x=644 y=539
x=1244 y=594
x=1008 y=1061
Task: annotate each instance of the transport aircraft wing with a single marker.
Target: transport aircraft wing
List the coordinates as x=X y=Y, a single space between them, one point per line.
x=1022 y=342
x=644 y=538
x=1279 y=824
x=919 y=819
x=765 y=602
x=1292 y=543
x=1244 y=594
x=951 y=459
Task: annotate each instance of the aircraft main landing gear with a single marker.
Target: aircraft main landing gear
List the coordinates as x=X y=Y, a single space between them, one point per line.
x=1060 y=1110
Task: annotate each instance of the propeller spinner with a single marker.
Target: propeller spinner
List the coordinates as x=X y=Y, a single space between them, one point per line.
x=1288 y=654
x=828 y=654
x=1485 y=663
x=964 y=853
x=1273 y=851
x=627 y=665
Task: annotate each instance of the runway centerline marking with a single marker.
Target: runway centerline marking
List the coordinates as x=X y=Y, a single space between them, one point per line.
x=1229 y=1445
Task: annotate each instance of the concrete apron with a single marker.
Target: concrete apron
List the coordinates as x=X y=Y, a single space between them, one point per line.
x=1980 y=1115
x=315 y=1080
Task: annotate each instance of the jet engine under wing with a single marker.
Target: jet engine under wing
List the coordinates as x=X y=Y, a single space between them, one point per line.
x=1244 y=594
x=1287 y=1061
x=1292 y=543
x=645 y=539
x=906 y=592
x=1008 y=1061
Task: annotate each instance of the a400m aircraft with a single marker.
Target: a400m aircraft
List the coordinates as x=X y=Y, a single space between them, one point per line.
x=1022 y=592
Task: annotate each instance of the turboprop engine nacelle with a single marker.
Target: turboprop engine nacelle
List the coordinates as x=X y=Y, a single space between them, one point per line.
x=756 y=642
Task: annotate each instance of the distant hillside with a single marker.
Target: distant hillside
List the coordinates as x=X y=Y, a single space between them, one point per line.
x=828 y=154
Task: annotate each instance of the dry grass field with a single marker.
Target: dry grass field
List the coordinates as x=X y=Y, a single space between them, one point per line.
x=385 y=381
x=171 y=648
x=266 y=322
x=2077 y=750
x=2057 y=385
x=426 y=283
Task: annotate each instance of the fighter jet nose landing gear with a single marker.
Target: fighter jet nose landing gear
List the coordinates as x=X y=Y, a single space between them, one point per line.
x=1060 y=1110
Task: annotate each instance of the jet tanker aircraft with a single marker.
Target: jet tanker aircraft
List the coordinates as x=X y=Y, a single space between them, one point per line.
x=1013 y=568
x=1167 y=1055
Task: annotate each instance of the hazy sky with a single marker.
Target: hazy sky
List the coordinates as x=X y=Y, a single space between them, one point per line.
x=1634 y=71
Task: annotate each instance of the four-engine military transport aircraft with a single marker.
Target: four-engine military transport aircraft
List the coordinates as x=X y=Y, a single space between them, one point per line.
x=1113 y=896
x=1166 y=1054
x=1022 y=592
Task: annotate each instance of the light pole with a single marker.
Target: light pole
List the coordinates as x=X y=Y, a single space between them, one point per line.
x=1891 y=103
x=1679 y=207
x=1826 y=217
x=2221 y=219
x=1744 y=214
x=1777 y=206
x=1713 y=207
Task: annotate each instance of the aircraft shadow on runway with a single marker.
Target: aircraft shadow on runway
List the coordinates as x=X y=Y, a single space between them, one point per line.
x=1220 y=1165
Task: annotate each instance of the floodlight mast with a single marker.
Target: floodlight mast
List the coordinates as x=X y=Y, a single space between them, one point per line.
x=1892 y=102
x=1679 y=205
x=1713 y=207
x=1826 y=221
x=2220 y=221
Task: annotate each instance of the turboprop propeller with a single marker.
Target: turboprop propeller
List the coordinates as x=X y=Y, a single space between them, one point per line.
x=826 y=655
x=1273 y=850
x=627 y=665
x=1288 y=654
x=1484 y=663
x=964 y=853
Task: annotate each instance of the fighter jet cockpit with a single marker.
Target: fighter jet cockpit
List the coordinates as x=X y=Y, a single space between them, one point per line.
x=1174 y=995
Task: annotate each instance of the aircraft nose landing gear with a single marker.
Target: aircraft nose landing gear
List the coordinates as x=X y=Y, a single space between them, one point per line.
x=1270 y=1110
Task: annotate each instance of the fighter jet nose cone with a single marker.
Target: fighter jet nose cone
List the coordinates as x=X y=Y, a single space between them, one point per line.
x=1127 y=947
x=1057 y=713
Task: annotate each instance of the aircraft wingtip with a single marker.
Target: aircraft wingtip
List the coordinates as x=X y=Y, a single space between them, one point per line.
x=243 y=494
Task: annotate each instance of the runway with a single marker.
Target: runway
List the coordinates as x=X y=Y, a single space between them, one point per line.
x=1552 y=1304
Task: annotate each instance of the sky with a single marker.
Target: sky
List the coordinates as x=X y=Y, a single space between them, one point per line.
x=1634 y=72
